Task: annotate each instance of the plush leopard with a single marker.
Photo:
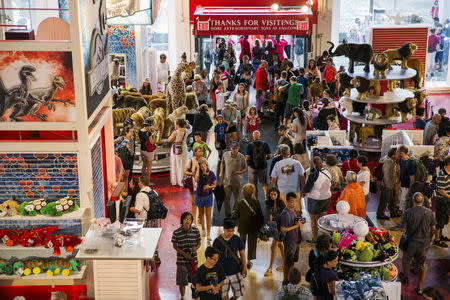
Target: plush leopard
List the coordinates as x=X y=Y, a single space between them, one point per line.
x=176 y=90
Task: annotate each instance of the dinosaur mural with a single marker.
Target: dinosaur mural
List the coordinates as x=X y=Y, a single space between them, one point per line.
x=36 y=87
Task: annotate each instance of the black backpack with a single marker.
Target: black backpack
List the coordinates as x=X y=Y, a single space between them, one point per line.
x=259 y=155
x=231 y=84
x=157 y=209
x=313 y=277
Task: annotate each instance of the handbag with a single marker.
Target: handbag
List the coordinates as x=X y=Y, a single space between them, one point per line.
x=149 y=147
x=177 y=147
x=404 y=242
x=188 y=181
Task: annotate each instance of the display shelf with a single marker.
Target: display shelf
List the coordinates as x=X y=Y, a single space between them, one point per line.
x=78 y=214
x=43 y=276
x=397 y=96
x=349 y=220
x=396 y=74
x=24 y=252
x=360 y=264
x=357 y=118
x=357 y=146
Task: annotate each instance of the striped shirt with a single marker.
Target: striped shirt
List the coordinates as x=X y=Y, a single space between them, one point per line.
x=443 y=182
x=185 y=240
x=301 y=292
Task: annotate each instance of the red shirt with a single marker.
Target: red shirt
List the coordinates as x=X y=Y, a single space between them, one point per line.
x=329 y=73
x=279 y=48
x=433 y=40
x=350 y=165
x=261 y=81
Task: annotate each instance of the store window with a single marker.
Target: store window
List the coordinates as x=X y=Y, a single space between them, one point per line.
x=355 y=24
x=158 y=32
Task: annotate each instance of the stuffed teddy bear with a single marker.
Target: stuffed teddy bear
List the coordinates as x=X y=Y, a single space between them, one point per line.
x=9 y=208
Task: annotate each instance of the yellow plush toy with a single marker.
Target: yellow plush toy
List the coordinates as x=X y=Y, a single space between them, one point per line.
x=9 y=208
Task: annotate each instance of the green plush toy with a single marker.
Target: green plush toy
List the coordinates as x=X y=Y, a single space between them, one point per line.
x=366 y=254
x=336 y=239
x=60 y=207
x=32 y=208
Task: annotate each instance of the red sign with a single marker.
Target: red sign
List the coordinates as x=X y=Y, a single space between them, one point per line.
x=203 y=25
x=251 y=24
x=302 y=25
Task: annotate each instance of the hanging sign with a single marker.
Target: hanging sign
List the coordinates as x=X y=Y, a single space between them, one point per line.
x=251 y=24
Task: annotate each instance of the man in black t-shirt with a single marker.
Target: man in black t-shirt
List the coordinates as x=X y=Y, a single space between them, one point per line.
x=233 y=264
x=210 y=276
x=407 y=174
x=258 y=152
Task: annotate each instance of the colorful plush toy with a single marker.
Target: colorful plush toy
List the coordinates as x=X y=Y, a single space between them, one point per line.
x=32 y=208
x=10 y=237
x=51 y=266
x=60 y=207
x=58 y=241
x=36 y=237
x=9 y=208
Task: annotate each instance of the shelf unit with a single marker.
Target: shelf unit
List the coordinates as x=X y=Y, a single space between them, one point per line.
x=90 y=146
x=386 y=97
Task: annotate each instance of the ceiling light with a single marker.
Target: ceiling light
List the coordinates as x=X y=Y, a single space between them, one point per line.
x=275 y=7
x=304 y=9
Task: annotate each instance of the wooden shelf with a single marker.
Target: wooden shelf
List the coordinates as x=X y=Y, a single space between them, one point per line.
x=397 y=96
x=357 y=118
x=78 y=214
x=396 y=74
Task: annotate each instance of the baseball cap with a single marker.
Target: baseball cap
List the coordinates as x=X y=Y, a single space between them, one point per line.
x=234 y=145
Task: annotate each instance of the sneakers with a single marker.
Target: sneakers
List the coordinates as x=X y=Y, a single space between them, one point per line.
x=444 y=239
x=268 y=273
x=440 y=244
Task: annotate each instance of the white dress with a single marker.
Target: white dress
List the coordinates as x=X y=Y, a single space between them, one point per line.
x=178 y=162
x=364 y=176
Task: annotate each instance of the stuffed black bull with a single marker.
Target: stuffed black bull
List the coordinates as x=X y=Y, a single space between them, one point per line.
x=355 y=52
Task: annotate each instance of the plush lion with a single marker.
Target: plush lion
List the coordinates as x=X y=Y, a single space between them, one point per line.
x=364 y=133
x=407 y=106
x=344 y=81
x=420 y=69
x=392 y=111
x=364 y=87
x=159 y=116
x=315 y=89
x=403 y=53
x=380 y=65
x=420 y=95
x=179 y=113
x=347 y=104
x=9 y=208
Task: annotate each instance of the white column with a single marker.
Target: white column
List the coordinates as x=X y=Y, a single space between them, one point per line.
x=180 y=33
x=327 y=28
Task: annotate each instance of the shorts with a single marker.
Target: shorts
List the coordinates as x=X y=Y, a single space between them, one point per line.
x=442 y=212
x=184 y=275
x=147 y=155
x=236 y=283
x=316 y=207
x=288 y=110
x=291 y=251
x=255 y=175
x=204 y=201
x=231 y=129
x=418 y=252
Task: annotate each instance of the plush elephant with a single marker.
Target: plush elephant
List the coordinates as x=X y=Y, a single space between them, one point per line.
x=355 y=52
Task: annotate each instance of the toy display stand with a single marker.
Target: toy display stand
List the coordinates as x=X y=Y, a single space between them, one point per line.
x=119 y=271
x=393 y=290
x=335 y=222
x=371 y=264
x=386 y=97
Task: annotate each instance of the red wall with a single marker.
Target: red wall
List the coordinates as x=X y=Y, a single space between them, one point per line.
x=193 y=4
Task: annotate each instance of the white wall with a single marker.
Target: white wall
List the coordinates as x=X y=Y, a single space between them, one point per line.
x=180 y=32
x=327 y=28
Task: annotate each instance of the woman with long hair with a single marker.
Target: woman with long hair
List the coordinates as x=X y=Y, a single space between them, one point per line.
x=178 y=155
x=206 y=183
x=276 y=207
x=241 y=98
x=257 y=52
x=191 y=170
x=313 y=69
x=214 y=84
x=298 y=125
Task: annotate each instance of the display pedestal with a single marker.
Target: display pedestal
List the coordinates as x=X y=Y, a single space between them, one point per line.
x=119 y=272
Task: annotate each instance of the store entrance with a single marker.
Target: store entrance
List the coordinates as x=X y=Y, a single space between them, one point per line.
x=211 y=55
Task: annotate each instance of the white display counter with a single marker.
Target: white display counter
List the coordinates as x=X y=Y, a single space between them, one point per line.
x=393 y=290
x=119 y=272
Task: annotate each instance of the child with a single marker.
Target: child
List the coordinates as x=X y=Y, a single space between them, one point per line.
x=246 y=78
x=199 y=143
x=221 y=95
x=238 y=118
x=331 y=121
x=252 y=121
x=220 y=133
x=259 y=100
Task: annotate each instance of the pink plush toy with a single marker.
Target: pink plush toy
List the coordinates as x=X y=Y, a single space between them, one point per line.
x=346 y=239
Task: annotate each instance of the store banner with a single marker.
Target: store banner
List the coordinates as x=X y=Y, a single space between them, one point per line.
x=249 y=24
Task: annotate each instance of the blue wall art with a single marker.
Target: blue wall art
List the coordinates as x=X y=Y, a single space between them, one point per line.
x=122 y=40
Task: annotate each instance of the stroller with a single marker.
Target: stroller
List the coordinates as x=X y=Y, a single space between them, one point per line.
x=268 y=106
